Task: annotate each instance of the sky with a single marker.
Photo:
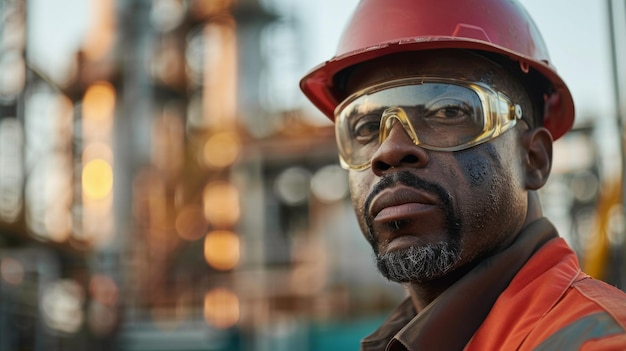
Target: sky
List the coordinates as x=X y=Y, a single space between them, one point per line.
x=56 y=31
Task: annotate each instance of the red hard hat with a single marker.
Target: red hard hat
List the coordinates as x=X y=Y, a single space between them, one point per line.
x=382 y=27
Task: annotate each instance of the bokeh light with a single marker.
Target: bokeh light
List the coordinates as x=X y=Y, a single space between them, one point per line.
x=11 y=169
x=190 y=223
x=62 y=305
x=101 y=319
x=97 y=179
x=221 y=204
x=221 y=249
x=103 y=289
x=168 y=143
x=330 y=183
x=102 y=310
x=101 y=36
x=167 y=14
x=97 y=185
x=221 y=308
x=219 y=78
x=13 y=77
x=58 y=222
x=11 y=271
x=212 y=7
x=221 y=149
x=98 y=108
x=49 y=194
x=292 y=185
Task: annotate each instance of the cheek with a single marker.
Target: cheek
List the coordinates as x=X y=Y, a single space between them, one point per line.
x=359 y=186
x=356 y=184
x=477 y=171
x=486 y=170
x=479 y=182
x=494 y=193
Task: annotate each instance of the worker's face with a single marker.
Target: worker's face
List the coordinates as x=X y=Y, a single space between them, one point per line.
x=428 y=214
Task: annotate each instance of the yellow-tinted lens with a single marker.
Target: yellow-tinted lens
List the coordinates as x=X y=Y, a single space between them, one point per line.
x=438 y=114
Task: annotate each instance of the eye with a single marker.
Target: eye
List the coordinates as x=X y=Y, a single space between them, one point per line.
x=449 y=111
x=366 y=128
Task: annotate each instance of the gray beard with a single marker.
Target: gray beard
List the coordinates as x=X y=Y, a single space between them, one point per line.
x=419 y=264
x=422 y=263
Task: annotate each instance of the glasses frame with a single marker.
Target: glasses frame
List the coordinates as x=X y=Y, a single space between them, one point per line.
x=500 y=114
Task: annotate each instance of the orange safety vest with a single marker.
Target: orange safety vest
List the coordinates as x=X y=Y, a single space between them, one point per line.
x=552 y=305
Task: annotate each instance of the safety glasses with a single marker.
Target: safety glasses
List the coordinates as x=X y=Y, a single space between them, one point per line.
x=439 y=114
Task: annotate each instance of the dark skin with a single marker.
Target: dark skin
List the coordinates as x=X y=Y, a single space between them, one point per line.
x=490 y=188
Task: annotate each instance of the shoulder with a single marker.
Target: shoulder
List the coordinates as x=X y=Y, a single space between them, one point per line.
x=604 y=296
x=590 y=315
x=596 y=290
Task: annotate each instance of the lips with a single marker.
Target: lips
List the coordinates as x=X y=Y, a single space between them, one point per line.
x=401 y=202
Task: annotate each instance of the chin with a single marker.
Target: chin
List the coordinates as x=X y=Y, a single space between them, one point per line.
x=416 y=264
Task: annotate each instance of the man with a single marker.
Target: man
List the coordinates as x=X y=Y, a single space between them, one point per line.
x=445 y=114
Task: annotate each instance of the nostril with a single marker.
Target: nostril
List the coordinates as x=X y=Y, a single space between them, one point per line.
x=410 y=159
x=381 y=166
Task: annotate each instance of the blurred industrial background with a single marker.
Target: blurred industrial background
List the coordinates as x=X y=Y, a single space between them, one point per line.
x=165 y=186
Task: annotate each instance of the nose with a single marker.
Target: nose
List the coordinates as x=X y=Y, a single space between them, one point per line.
x=397 y=150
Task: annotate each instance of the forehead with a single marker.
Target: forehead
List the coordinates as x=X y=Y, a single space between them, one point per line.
x=456 y=64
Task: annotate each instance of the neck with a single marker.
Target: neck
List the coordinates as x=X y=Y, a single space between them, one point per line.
x=422 y=294
x=534 y=211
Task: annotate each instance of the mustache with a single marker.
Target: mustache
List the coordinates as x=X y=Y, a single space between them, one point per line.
x=408 y=179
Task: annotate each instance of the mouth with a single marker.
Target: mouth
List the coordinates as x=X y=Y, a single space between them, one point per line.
x=405 y=210
x=401 y=203
x=403 y=216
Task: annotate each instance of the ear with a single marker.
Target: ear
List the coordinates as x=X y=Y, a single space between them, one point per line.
x=537 y=158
